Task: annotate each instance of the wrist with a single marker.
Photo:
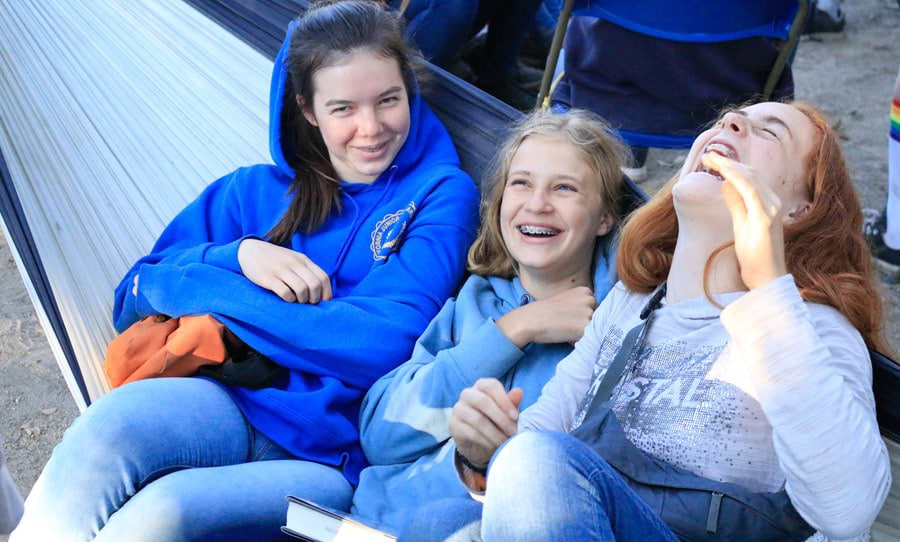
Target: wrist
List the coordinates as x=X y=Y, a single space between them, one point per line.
x=475 y=481
x=469 y=465
x=511 y=325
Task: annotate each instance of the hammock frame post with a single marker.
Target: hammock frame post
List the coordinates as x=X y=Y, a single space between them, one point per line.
x=553 y=57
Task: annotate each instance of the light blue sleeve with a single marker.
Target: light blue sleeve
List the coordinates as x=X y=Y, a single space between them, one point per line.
x=406 y=412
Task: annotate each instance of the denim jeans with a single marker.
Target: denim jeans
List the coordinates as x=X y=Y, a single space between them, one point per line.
x=508 y=24
x=170 y=459
x=551 y=486
x=453 y=519
x=440 y=28
x=547 y=16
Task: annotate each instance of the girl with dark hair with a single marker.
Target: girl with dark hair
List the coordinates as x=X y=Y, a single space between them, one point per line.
x=329 y=263
x=742 y=408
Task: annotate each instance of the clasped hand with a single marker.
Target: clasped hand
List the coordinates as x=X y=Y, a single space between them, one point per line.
x=291 y=275
x=485 y=416
x=560 y=318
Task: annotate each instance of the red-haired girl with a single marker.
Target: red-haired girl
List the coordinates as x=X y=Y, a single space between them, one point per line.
x=744 y=409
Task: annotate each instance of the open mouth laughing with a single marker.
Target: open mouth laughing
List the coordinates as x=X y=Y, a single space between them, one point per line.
x=722 y=149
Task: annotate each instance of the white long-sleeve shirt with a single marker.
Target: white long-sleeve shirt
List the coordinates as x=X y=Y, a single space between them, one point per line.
x=770 y=392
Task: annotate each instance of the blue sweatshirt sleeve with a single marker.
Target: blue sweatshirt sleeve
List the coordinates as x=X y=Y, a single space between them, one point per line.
x=208 y=231
x=406 y=413
x=355 y=338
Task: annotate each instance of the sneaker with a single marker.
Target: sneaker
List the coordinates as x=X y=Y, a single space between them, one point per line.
x=528 y=78
x=461 y=69
x=511 y=94
x=874 y=224
x=636 y=174
x=537 y=47
x=827 y=16
x=636 y=168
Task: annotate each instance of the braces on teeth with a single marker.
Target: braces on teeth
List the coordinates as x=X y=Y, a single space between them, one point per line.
x=535 y=230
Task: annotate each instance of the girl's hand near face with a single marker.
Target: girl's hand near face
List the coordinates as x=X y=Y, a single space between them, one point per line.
x=757 y=218
x=558 y=319
x=291 y=275
x=485 y=416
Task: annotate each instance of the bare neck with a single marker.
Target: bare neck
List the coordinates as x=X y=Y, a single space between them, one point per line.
x=692 y=251
x=539 y=287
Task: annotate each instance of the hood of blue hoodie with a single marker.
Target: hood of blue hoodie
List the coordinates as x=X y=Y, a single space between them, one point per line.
x=423 y=131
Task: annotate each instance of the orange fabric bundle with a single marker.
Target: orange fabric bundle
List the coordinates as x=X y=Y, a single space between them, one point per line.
x=160 y=346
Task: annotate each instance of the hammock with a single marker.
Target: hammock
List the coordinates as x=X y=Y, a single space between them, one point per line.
x=114 y=115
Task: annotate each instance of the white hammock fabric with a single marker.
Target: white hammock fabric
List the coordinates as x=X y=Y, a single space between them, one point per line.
x=114 y=115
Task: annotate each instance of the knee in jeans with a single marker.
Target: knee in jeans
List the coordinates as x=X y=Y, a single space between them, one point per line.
x=522 y=453
x=171 y=509
x=106 y=424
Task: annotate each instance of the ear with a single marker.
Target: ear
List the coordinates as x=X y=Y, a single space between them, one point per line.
x=605 y=224
x=797 y=212
x=307 y=112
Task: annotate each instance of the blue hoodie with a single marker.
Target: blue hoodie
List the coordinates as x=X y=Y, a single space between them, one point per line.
x=394 y=253
x=404 y=418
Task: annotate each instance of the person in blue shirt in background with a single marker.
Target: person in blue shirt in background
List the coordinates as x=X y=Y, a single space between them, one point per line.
x=541 y=263
x=330 y=263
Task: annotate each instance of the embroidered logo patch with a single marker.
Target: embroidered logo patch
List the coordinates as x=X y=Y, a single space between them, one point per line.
x=388 y=233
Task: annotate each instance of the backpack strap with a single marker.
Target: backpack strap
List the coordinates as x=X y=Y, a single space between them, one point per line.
x=632 y=343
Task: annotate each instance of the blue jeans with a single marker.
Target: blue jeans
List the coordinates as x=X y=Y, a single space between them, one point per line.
x=551 y=486
x=508 y=24
x=170 y=459
x=439 y=28
x=547 y=16
x=453 y=519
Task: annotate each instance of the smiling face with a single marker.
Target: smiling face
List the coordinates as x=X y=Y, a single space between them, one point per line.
x=551 y=212
x=361 y=108
x=772 y=138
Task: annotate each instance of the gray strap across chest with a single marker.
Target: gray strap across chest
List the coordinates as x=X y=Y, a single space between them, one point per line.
x=632 y=343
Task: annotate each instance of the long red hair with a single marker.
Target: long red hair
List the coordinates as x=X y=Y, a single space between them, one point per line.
x=825 y=249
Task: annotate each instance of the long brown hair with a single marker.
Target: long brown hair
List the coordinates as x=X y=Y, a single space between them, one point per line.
x=825 y=249
x=592 y=140
x=326 y=35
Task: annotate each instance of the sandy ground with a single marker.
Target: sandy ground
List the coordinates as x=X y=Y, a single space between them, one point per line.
x=849 y=74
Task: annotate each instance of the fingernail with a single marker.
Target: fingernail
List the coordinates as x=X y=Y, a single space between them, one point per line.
x=514 y=414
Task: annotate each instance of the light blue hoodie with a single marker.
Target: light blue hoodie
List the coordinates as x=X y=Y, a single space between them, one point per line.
x=394 y=253
x=403 y=423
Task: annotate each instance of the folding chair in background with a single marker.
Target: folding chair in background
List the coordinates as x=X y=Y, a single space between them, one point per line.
x=712 y=21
